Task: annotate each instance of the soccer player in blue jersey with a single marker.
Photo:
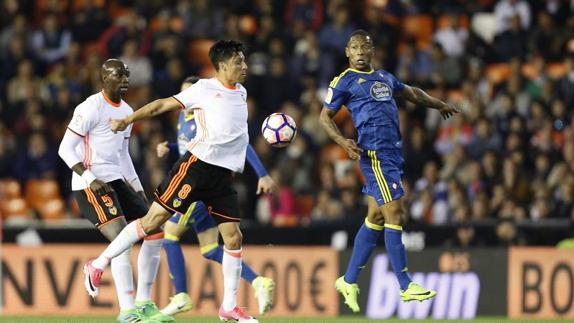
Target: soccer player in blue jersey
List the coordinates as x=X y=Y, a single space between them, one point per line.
x=205 y=226
x=369 y=95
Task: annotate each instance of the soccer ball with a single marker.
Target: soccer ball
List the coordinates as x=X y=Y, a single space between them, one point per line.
x=279 y=129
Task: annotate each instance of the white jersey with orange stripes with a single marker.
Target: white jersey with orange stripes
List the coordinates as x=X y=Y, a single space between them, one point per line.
x=221 y=119
x=101 y=147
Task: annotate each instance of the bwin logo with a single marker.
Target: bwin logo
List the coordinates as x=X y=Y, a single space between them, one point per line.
x=457 y=294
x=380 y=91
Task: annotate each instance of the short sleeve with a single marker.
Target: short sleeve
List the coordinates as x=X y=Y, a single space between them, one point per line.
x=84 y=119
x=398 y=86
x=189 y=97
x=128 y=131
x=336 y=95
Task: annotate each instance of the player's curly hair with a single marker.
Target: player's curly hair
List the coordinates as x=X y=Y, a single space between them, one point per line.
x=223 y=50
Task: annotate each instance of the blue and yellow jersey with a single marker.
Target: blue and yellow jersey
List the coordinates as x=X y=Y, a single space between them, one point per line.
x=186 y=130
x=369 y=98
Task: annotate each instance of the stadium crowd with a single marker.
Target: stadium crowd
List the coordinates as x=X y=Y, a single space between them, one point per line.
x=508 y=64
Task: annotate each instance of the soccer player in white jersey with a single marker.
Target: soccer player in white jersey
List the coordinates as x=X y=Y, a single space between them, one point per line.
x=108 y=191
x=205 y=172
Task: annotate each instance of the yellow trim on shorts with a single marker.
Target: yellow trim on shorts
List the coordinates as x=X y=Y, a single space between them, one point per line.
x=170 y=236
x=208 y=248
x=372 y=225
x=382 y=183
x=185 y=217
x=394 y=227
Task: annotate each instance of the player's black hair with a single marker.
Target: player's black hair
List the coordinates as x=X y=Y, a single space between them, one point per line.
x=359 y=32
x=191 y=79
x=223 y=50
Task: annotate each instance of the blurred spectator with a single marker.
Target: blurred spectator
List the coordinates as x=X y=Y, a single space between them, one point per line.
x=511 y=43
x=201 y=19
x=444 y=69
x=452 y=37
x=564 y=201
x=465 y=237
x=24 y=85
x=544 y=39
x=416 y=150
x=127 y=27
x=36 y=160
x=565 y=85
x=17 y=30
x=505 y=10
x=414 y=64
x=52 y=42
x=139 y=66
x=327 y=208
x=308 y=12
x=89 y=21
x=508 y=235
x=483 y=139
x=431 y=205
x=332 y=41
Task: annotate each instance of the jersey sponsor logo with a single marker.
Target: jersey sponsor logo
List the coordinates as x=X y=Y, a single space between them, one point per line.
x=457 y=294
x=329 y=95
x=381 y=91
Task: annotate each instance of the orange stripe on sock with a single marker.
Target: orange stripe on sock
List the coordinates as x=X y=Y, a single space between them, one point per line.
x=155 y=236
x=234 y=253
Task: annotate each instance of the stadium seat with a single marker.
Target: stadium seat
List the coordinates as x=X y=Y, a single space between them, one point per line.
x=10 y=189
x=305 y=204
x=39 y=191
x=14 y=208
x=498 y=72
x=420 y=27
x=443 y=21
x=52 y=210
x=198 y=52
x=556 y=70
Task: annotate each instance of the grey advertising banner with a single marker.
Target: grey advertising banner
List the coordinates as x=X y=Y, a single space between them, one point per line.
x=469 y=283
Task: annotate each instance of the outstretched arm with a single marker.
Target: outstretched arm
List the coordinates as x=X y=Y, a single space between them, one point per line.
x=265 y=183
x=420 y=97
x=334 y=133
x=149 y=110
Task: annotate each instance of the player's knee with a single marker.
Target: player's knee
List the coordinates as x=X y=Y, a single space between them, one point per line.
x=233 y=240
x=396 y=217
x=376 y=217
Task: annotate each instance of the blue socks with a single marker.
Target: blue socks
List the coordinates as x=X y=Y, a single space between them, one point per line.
x=397 y=254
x=215 y=252
x=176 y=263
x=365 y=243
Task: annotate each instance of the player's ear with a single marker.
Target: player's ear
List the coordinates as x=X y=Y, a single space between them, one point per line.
x=346 y=51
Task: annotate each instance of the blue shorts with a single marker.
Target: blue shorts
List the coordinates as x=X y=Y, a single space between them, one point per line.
x=196 y=217
x=383 y=171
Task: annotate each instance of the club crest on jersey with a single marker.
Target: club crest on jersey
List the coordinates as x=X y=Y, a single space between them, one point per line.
x=176 y=202
x=380 y=91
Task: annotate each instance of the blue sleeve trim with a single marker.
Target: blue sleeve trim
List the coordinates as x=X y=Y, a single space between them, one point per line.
x=255 y=162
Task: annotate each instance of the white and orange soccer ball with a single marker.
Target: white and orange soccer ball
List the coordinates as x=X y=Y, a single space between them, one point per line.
x=279 y=129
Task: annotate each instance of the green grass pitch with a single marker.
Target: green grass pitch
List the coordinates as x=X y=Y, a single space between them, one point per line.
x=344 y=319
